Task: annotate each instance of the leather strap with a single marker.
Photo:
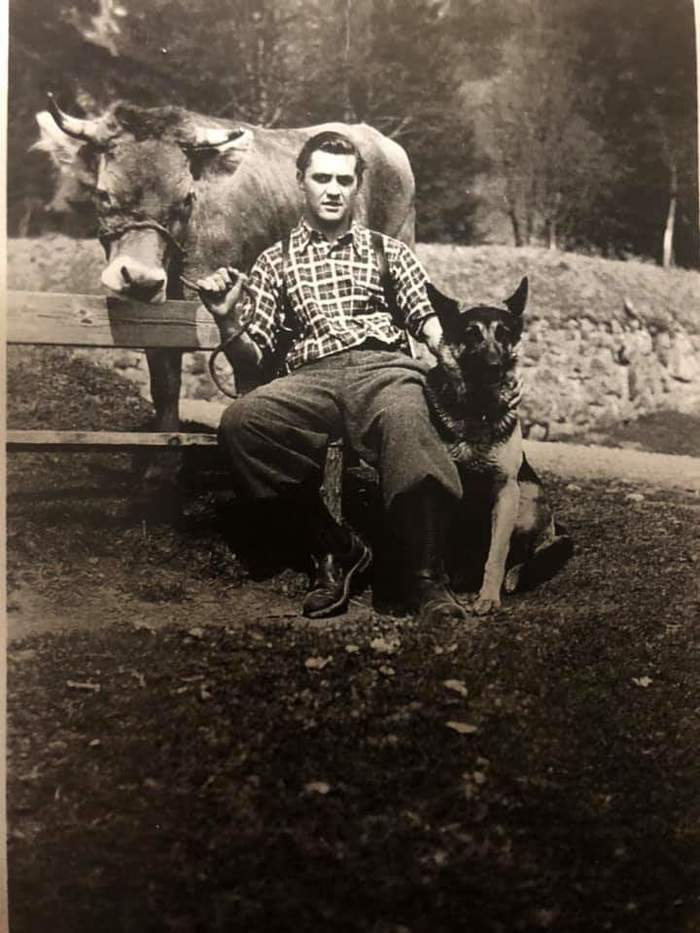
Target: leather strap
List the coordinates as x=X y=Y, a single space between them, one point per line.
x=385 y=278
x=107 y=233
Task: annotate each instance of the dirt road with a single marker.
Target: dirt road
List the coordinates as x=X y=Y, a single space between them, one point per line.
x=606 y=463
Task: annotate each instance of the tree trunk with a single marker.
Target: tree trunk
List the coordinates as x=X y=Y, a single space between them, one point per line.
x=550 y=232
x=667 y=251
x=349 y=115
x=550 y=226
x=515 y=223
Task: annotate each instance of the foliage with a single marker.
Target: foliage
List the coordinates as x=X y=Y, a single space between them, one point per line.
x=575 y=120
x=549 y=158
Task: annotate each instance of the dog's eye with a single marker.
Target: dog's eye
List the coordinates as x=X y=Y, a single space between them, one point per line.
x=103 y=197
x=474 y=334
x=502 y=335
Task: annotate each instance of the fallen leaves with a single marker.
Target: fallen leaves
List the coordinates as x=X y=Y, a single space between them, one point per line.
x=317 y=664
x=83 y=685
x=642 y=681
x=464 y=728
x=450 y=649
x=457 y=685
x=385 y=645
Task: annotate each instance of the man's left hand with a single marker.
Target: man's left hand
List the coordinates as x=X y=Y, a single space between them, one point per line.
x=431 y=334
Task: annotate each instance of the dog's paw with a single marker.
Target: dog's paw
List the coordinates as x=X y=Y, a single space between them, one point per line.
x=512 y=580
x=461 y=451
x=484 y=604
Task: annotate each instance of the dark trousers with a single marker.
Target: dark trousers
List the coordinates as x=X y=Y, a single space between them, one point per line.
x=276 y=436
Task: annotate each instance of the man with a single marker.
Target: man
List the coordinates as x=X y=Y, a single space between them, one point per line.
x=347 y=374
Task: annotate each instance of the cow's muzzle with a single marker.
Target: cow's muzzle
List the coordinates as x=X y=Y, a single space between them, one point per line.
x=134 y=279
x=139 y=253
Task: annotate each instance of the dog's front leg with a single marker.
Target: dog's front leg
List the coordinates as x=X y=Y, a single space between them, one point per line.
x=503 y=517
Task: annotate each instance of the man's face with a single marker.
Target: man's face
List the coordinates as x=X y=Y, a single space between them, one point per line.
x=330 y=187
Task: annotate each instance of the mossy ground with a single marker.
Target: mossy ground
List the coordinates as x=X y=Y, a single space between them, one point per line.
x=187 y=753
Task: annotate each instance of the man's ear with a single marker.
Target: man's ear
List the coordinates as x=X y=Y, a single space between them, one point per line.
x=516 y=302
x=447 y=309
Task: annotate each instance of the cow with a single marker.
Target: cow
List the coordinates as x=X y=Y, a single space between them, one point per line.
x=178 y=193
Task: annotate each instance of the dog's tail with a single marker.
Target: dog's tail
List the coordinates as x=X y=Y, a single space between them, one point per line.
x=546 y=561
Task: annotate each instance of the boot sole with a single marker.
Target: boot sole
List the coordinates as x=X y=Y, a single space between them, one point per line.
x=362 y=563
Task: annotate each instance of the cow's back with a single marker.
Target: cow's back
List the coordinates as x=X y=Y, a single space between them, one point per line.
x=252 y=200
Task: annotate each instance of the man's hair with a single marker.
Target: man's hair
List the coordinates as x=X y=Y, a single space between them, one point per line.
x=329 y=141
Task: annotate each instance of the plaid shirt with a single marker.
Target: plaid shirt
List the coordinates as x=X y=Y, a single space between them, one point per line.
x=335 y=294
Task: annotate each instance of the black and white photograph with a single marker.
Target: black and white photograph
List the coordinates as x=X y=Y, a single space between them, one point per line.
x=352 y=466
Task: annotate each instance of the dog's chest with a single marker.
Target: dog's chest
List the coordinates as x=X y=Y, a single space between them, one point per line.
x=477 y=456
x=482 y=449
x=481 y=430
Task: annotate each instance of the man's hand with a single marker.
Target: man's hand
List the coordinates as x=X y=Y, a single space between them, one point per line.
x=431 y=334
x=221 y=290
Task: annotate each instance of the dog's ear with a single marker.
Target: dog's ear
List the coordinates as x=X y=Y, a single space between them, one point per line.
x=447 y=309
x=516 y=302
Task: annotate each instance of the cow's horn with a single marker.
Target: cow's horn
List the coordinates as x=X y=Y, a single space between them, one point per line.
x=213 y=137
x=88 y=130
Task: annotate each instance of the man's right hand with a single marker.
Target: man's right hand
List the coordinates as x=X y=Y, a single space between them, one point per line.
x=221 y=290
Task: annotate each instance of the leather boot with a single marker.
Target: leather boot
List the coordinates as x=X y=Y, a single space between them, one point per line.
x=338 y=555
x=422 y=518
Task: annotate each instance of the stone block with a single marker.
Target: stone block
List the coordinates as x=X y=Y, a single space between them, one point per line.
x=683 y=362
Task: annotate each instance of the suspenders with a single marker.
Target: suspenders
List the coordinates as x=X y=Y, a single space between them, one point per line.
x=276 y=366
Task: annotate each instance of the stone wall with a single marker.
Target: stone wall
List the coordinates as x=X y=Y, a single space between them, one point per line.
x=583 y=374
x=591 y=354
x=579 y=376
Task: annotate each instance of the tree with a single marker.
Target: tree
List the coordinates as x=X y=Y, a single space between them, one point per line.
x=549 y=159
x=404 y=77
x=645 y=58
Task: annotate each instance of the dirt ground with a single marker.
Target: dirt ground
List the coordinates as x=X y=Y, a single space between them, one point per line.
x=188 y=753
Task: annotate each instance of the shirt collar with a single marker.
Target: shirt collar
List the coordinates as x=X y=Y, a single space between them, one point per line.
x=358 y=235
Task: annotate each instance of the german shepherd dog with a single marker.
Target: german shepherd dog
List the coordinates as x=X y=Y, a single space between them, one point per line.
x=473 y=393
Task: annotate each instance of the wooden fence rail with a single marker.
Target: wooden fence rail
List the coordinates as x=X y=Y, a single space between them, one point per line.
x=58 y=319
x=99 y=321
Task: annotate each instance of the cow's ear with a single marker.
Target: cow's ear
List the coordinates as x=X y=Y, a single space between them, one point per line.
x=516 y=302
x=447 y=309
x=213 y=140
x=75 y=163
x=62 y=148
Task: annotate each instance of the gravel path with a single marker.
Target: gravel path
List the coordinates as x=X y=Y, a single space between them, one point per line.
x=575 y=460
x=635 y=466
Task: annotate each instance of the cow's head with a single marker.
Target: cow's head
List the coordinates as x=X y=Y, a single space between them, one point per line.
x=139 y=166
